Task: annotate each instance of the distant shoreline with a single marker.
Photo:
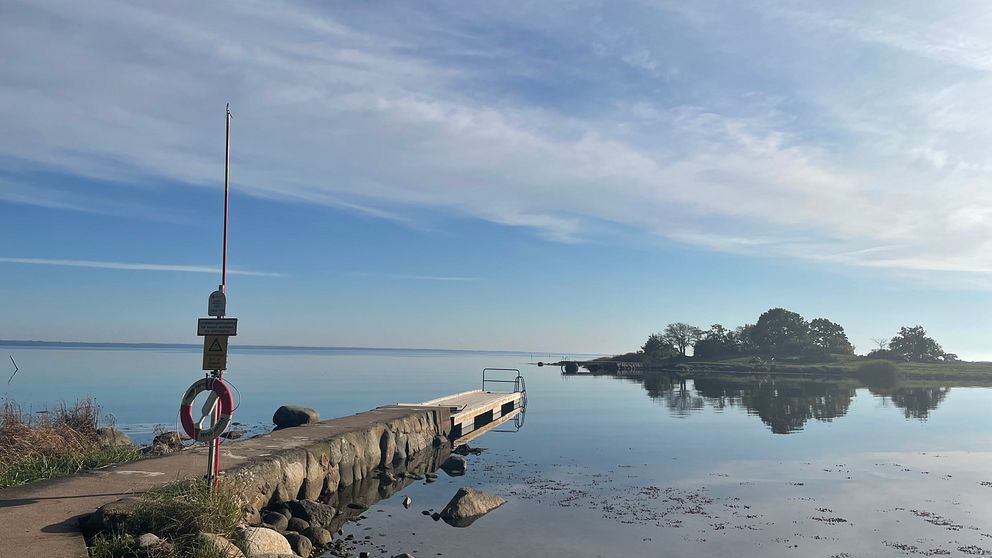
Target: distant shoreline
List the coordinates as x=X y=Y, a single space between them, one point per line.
x=30 y=344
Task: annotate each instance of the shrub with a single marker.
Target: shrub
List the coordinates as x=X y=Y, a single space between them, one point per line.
x=883 y=354
x=55 y=443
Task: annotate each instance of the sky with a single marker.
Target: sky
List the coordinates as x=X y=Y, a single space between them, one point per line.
x=537 y=176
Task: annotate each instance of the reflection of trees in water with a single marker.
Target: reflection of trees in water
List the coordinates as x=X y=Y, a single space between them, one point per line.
x=784 y=405
x=916 y=402
x=680 y=400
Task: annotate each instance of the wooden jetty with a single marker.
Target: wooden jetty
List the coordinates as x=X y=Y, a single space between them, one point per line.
x=477 y=408
x=515 y=416
x=471 y=410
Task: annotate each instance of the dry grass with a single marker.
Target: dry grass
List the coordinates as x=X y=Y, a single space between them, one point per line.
x=176 y=512
x=185 y=508
x=59 y=442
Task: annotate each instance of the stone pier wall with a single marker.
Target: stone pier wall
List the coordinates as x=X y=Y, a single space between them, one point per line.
x=315 y=461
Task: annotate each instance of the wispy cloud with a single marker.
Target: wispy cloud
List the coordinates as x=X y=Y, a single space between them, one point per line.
x=844 y=124
x=134 y=266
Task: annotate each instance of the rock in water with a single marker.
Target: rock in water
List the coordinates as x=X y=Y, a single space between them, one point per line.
x=262 y=540
x=469 y=504
x=465 y=449
x=454 y=465
x=112 y=438
x=407 y=502
x=220 y=545
x=312 y=512
x=288 y=416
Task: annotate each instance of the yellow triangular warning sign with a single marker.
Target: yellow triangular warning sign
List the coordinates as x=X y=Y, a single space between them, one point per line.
x=215 y=347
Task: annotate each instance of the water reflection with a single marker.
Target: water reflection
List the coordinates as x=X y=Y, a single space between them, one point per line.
x=915 y=403
x=785 y=405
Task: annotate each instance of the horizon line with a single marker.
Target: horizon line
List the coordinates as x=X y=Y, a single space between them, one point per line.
x=153 y=344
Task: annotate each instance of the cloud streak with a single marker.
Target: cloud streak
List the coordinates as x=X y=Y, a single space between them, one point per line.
x=134 y=266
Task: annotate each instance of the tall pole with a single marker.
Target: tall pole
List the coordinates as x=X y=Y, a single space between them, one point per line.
x=213 y=453
x=227 y=189
x=223 y=266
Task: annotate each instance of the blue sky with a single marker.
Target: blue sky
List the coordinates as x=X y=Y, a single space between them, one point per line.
x=559 y=176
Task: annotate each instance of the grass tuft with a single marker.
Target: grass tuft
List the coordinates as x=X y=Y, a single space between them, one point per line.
x=180 y=511
x=114 y=546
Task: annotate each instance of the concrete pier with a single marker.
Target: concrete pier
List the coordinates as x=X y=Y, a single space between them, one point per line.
x=42 y=518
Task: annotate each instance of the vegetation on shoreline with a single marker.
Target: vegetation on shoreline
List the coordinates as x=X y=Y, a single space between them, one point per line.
x=785 y=342
x=177 y=513
x=55 y=443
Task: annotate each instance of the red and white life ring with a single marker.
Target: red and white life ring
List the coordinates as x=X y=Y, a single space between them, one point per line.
x=221 y=395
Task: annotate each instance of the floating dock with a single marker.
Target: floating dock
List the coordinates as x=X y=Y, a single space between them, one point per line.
x=474 y=409
x=471 y=410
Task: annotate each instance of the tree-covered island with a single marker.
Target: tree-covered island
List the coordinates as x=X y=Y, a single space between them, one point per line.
x=783 y=340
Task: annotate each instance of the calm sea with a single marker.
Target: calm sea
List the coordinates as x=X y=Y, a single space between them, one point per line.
x=610 y=467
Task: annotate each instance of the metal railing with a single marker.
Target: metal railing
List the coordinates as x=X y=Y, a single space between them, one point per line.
x=518 y=421
x=519 y=385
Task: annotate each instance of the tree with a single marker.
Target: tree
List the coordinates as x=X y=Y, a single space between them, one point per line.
x=718 y=342
x=681 y=336
x=780 y=332
x=742 y=338
x=657 y=347
x=830 y=337
x=882 y=343
x=913 y=344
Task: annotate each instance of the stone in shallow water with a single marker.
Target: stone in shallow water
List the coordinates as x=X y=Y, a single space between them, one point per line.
x=289 y=416
x=454 y=466
x=469 y=504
